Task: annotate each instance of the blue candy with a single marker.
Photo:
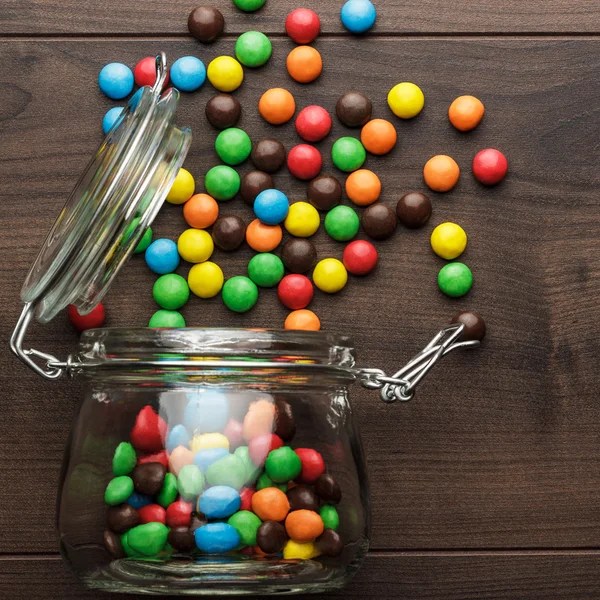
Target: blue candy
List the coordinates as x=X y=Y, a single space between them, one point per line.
x=219 y=502
x=138 y=500
x=204 y=458
x=206 y=412
x=116 y=80
x=188 y=73
x=110 y=118
x=358 y=16
x=271 y=207
x=178 y=436
x=162 y=256
x=217 y=537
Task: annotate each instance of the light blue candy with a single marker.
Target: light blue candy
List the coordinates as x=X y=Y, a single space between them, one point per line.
x=116 y=80
x=178 y=436
x=188 y=73
x=214 y=538
x=219 y=502
x=138 y=500
x=162 y=256
x=206 y=412
x=204 y=458
x=271 y=207
x=110 y=118
x=358 y=16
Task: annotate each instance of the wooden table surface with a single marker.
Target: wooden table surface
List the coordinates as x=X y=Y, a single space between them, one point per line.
x=487 y=485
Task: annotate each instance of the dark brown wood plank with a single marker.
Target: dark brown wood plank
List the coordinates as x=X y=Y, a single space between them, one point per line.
x=500 y=447
x=106 y=17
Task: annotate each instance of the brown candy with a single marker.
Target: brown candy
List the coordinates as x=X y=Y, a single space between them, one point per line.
x=122 y=518
x=329 y=543
x=303 y=498
x=268 y=155
x=285 y=426
x=198 y=519
x=206 y=23
x=229 y=231
x=328 y=489
x=148 y=478
x=474 y=325
x=253 y=183
x=223 y=111
x=271 y=537
x=182 y=539
x=413 y=209
x=379 y=221
x=353 y=109
x=298 y=255
x=112 y=543
x=324 y=192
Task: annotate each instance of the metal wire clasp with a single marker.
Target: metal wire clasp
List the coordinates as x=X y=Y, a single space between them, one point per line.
x=401 y=386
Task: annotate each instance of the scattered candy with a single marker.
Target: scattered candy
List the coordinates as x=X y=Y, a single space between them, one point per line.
x=342 y=223
x=271 y=207
x=441 y=173
x=223 y=111
x=302 y=320
x=448 y=240
x=490 y=166
x=263 y=238
x=304 y=64
x=95 y=318
x=353 y=109
x=225 y=73
x=229 y=232
x=253 y=183
x=206 y=23
x=413 y=210
x=215 y=538
x=188 y=73
x=253 y=49
x=474 y=325
x=379 y=221
x=166 y=319
x=358 y=16
x=110 y=118
x=171 y=292
x=348 y=154
x=195 y=246
x=302 y=25
x=295 y=291
x=302 y=220
x=116 y=80
x=378 y=136
x=268 y=155
x=313 y=123
x=304 y=161
x=324 y=192
x=363 y=187
x=406 y=100
x=182 y=189
x=162 y=256
x=239 y=294
x=455 y=279
x=299 y=255
x=205 y=279
x=466 y=112
x=360 y=257
x=200 y=212
x=222 y=182
x=330 y=275
x=233 y=146
x=277 y=106
x=249 y=5
x=265 y=269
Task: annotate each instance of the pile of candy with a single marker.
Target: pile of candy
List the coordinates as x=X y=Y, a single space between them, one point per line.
x=215 y=484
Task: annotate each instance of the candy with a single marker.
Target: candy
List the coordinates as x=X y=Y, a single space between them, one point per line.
x=171 y=291
x=138 y=500
x=360 y=257
x=303 y=525
x=178 y=436
x=270 y=504
x=302 y=25
x=205 y=279
x=342 y=223
x=490 y=166
x=239 y=294
x=127 y=549
x=455 y=279
x=179 y=458
x=219 y=502
x=378 y=136
x=206 y=441
x=328 y=489
x=283 y=464
x=330 y=517
x=295 y=291
x=285 y=425
x=249 y=5
x=271 y=206
x=413 y=210
x=406 y=100
x=264 y=481
x=297 y=551
x=246 y=498
x=271 y=537
x=324 y=192
x=95 y=318
x=206 y=23
x=474 y=325
x=303 y=498
x=122 y=517
x=260 y=446
x=304 y=64
x=304 y=161
x=225 y=73
x=168 y=492
x=268 y=155
x=353 y=109
x=228 y=233
x=253 y=183
x=379 y=221
x=188 y=73
x=304 y=319
x=148 y=478
x=313 y=465
x=182 y=189
x=222 y=182
x=233 y=432
x=159 y=457
x=348 y=154
x=263 y=238
x=302 y=219
x=466 y=112
x=229 y=471
x=190 y=482
x=116 y=80
x=246 y=524
x=358 y=16
x=265 y=269
x=277 y=106
x=118 y=490
x=313 y=123
x=448 y=240
x=259 y=419
x=111 y=116
x=329 y=543
x=253 y=49
x=195 y=246
x=330 y=275
x=149 y=431
x=182 y=539
x=233 y=146
x=206 y=457
x=363 y=187
x=152 y=513
x=148 y=539
x=179 y=514
x=215 y=538
x=223 y=111
x=113 y=545
x=162 y=257
x=441 y=173
x=146 y=238
x=298 y=255
x=252 y=471
x=201 y=211
x=206 y=412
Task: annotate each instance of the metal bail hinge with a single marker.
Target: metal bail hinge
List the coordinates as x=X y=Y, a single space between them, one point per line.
x=401 y=386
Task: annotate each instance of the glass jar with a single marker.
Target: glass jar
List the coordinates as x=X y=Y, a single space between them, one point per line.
x=202 y=461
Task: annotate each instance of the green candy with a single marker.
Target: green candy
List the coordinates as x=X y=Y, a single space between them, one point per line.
x=348 y=154
x=124 y=459
x=129 y=551
x=168 y=492
x=118 y=490
x=171 y=291
x=222 y=182
x=265 y=269
x=190 y=482
x=252 y=471
x=148 y=539
x=229 y=470
x=264 y=481
x=246 y=523
x=253 y=49
x=330 y=517
x=283 y=464
x=166 y=318
x=455 y=279
x=239 y=294
x=342 y=223
x=249 y=5
x=146 y=238
x=233 y=146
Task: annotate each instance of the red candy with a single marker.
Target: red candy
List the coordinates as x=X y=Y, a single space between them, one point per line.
x=260 y=446
x=152 y=513
x=233 y=432
x=93 y=319
x=490 y=166
x=246 y=496
x=149 y=431
x=302 y=25
x=360 y=257
x=313 y=465
x=295 y=291
x=313 y=123
x=159 y=457
x=179 y=514
x=145 y=72
x=304 y=161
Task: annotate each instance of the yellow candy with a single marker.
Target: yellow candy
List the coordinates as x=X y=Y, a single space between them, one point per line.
x=302 y=220
x=330 y=275
x=448 y=240
x=406 y=100
x=206 y=441
x=182 y=189
x=205 y=279
x=225 y=73
x=294 y=550
x=195 y=245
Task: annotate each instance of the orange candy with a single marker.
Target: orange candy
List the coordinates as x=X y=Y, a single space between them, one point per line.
x=259 y=419
x=200 y=211
x=441 y=173
x=263 y=238
x=378 y=136
x=277 y=106
x=304 y=64
x=302 y=319
x=304 y=525
x=270 y=504
x=363 y=187
x=466 y=112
